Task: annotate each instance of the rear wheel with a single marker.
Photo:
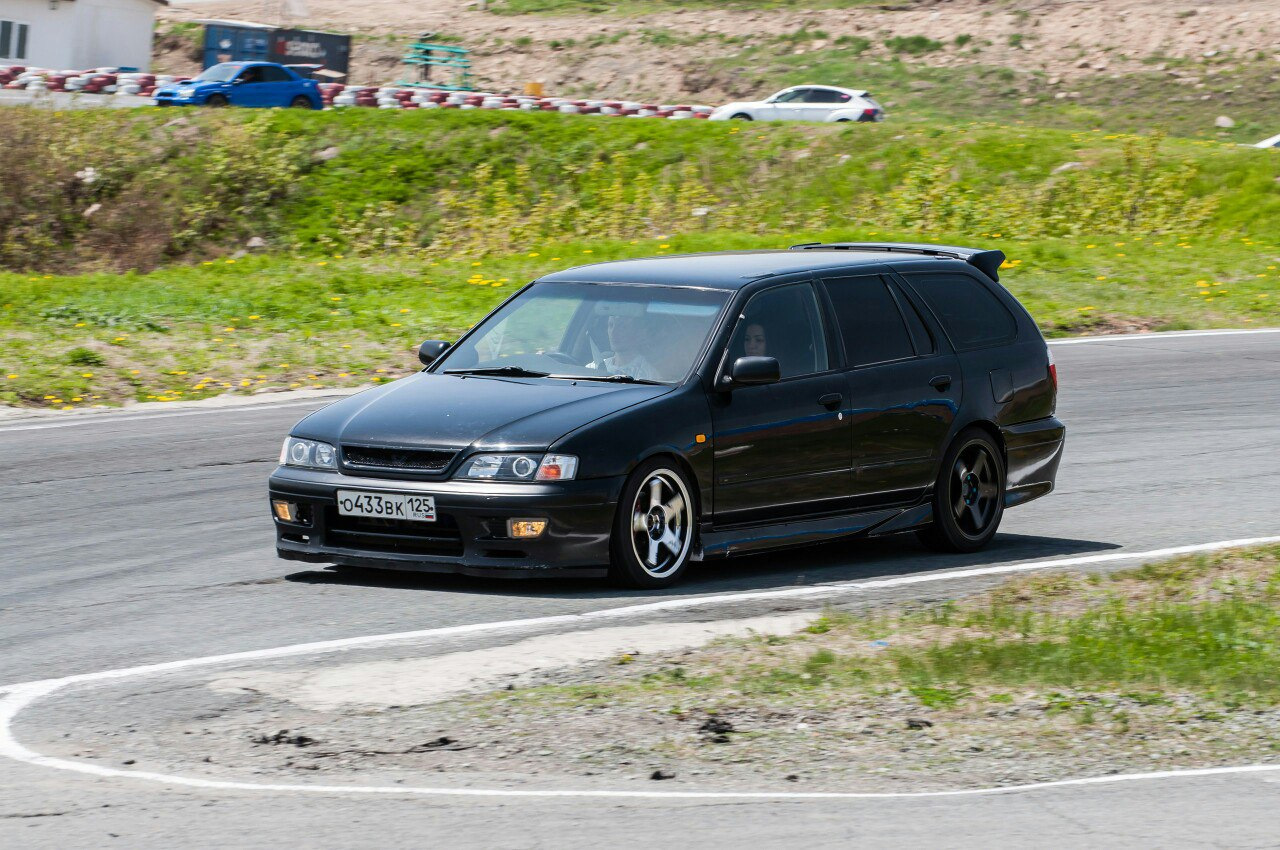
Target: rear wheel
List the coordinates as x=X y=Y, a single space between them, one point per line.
x=654 y=528
x=217 y=100
x=301 y=102
x=968 y=498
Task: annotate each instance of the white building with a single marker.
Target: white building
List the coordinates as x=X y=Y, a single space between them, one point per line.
x=77 y=35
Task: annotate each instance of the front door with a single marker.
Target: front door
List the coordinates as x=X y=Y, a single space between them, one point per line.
x=781 y=449
x=904 y=389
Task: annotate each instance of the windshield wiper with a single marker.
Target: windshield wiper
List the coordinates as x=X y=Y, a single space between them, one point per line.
x=509 y=371
x=615 y=379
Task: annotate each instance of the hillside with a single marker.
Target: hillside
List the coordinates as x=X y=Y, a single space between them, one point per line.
x=1123 y=65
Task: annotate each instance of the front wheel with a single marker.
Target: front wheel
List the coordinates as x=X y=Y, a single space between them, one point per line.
x=217 y=100
x=654 y=528
x=968 y=498
x=741 y=116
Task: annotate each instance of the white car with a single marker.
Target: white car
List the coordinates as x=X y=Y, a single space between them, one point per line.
x=806 y=103
x=1273 y=142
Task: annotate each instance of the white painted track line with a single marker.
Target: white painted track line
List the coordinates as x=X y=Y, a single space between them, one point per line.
x=109 y=417
x=22 y=695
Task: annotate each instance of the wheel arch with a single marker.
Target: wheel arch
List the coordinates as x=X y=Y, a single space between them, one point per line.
x=992 y=430
x=682 y=463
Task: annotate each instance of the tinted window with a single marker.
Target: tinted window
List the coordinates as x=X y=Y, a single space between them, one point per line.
x=970 y=313
x=826 y=96
x=920 y=334
x=783 y=323
x=275 y=75
x=870 y=323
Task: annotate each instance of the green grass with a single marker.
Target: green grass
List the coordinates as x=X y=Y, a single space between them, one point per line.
x=1135 y=102
x=1154 y=234
x=289 y=331
x=1123 y=637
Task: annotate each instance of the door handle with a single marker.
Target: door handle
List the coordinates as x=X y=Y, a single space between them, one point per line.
x=940 y=383
x=830 y=400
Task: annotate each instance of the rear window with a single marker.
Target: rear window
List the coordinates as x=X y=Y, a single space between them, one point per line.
x=971 y=314
x=870 y=323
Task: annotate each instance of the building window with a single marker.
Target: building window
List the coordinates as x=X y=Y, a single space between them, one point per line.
x=13 y=40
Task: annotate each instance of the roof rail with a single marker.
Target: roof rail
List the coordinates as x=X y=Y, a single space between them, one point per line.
x=986 y=261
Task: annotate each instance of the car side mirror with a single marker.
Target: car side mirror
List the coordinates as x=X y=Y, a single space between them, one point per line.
x=753 y=371
x=431 y=350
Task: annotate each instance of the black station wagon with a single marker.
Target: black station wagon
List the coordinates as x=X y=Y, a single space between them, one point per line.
x=627 y=418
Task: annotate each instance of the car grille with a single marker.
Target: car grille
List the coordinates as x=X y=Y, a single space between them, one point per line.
x=374 y=534
x=409 y=460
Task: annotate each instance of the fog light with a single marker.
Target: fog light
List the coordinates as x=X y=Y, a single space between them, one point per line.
x=285 y=511
x=525 y=527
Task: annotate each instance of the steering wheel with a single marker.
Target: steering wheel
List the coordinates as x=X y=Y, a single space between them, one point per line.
x=557 y=354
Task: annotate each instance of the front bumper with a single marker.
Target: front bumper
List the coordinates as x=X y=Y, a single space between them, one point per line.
x=469 y=536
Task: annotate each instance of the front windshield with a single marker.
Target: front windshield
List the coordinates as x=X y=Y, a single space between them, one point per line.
x=223 y=73
x=585 y=330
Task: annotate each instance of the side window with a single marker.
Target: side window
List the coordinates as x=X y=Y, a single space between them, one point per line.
x=920 y=333
x=251 y=75
x=784 y=323
x=972 y=316
x=871 y=325
x=795 y=96
x=275 y=75
x=826 y=96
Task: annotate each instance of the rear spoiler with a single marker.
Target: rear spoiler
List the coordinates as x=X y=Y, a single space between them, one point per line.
x=987 y=262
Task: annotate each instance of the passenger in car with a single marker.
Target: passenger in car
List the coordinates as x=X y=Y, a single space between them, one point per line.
x=754 y=343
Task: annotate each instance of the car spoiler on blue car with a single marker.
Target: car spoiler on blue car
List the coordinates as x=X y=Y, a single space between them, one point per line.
x=986 y=261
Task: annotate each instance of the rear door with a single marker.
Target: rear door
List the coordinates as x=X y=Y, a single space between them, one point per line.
x=278 y=86
x=819 y=103
x=904 y=388
x=781 y=449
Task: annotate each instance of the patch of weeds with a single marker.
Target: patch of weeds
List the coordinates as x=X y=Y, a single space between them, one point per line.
x=913 y=45
x=1000 y=699
x=85 y=357
x=931 y=697
x=855 y=44
x=962 y=39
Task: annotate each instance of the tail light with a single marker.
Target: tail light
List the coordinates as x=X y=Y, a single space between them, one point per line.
x=870 y=113
x=1053 y=369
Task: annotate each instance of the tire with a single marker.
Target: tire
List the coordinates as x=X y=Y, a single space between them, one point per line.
x=741 y=116
x=968 y=497
x=654 y=527
x=844 y=120
x=217 y=100
x=301 y=102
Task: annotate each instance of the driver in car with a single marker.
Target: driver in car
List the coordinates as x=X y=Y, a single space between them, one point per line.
x=627 y=338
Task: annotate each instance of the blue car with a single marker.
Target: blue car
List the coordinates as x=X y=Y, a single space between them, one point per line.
x=263 y=84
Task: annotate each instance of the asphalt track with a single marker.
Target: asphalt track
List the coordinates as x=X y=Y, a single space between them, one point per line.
x=134 y=539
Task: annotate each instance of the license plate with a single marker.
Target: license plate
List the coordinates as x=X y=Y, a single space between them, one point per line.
x=387 y=505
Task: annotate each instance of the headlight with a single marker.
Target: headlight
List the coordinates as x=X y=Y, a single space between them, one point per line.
x=308 y=453
x=520 y=467
x=185 y=94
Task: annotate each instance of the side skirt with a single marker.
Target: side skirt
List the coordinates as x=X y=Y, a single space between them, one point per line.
x=718 y=543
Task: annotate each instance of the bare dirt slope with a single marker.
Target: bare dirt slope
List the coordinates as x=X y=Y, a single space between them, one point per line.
x=664 y=55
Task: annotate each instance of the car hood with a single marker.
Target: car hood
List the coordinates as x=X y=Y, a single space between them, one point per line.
x=453 y=411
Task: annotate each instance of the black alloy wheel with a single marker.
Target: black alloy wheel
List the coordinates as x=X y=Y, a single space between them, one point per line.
x=741 y=116
x=217 y=100
x=968 y=499
x=301 y=102
x=654 y=529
